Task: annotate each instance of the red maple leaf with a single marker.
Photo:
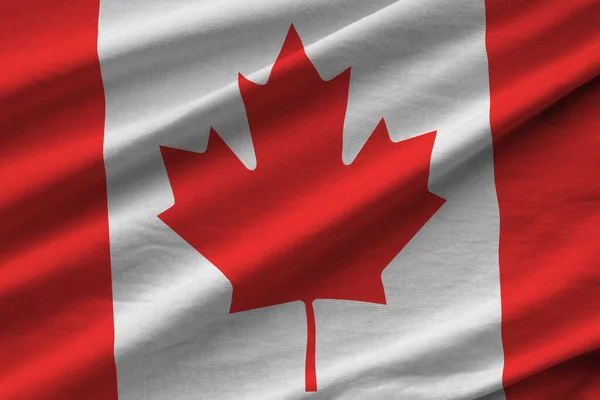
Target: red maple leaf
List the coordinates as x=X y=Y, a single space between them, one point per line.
x=302 y=225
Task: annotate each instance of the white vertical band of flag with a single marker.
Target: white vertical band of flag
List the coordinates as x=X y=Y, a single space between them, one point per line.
x=170 y=72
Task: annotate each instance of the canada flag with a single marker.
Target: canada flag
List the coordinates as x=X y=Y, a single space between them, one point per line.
x=285 y=199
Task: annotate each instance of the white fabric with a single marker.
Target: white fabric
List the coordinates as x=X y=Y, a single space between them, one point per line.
x=170 y=72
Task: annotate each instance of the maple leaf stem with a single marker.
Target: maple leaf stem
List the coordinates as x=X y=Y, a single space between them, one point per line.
x=311 y=348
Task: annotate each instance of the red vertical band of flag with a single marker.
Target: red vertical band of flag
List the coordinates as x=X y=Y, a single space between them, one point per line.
x=544 y=59
x=56 y=319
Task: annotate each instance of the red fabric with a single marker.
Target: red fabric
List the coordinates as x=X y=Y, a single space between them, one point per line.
x=56 y=319
x=543 y=58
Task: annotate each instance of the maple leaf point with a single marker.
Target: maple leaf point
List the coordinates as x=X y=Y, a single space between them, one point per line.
x=302 y=225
